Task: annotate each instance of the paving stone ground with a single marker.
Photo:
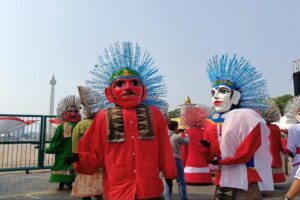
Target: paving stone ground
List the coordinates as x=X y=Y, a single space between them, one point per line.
x=35 y=185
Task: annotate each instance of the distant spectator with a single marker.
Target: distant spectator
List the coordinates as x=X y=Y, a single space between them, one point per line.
x=176 y=141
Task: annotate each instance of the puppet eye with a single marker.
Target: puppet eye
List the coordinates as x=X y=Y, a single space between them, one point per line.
x=224 y=90
x=136 y=83
x=119 y=83
x=213 y=92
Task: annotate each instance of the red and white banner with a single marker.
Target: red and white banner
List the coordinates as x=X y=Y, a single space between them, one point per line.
x=55 y=122
x=10 y=124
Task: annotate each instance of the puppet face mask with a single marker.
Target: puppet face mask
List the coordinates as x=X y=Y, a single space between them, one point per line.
x=126 y=92
x=297 y=115
x=72 y=115
x=223 y=97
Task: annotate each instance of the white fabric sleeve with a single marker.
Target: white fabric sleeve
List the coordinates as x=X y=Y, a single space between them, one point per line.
x=297 y=176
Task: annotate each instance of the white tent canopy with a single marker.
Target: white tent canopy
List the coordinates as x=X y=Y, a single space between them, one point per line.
x=284 y=123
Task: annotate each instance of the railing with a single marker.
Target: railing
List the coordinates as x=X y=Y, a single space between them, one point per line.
x=23 y=149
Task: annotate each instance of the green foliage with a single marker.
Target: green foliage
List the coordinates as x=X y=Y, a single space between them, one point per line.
x=174 y=113
x=281 y=102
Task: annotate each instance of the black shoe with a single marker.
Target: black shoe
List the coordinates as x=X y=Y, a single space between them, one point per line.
x=61 y=186
x=69 y=185
x=100 y=197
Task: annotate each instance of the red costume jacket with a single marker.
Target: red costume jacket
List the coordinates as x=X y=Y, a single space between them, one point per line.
x=132 y=166
x=275 y=148
x=183 y=149
x=246 y=150
x=196 y=169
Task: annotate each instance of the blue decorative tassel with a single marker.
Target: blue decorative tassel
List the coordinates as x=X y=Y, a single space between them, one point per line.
x=119 y=56
x=247 y=80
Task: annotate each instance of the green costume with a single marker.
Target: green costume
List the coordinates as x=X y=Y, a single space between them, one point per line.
x=61 y=146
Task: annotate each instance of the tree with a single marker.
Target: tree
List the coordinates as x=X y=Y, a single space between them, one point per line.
x=174 y=113
x=281 y=102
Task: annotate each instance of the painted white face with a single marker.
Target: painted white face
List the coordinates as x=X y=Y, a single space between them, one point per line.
x=297 y=115
x=221 y=98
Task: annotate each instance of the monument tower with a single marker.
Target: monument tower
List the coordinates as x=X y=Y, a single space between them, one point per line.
x=52 y=83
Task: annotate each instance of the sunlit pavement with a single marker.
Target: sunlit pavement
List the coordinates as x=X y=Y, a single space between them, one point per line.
x=35 y=185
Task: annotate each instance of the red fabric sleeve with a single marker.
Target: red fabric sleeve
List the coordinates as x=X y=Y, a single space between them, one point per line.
x=210 y=134
x=166 y=158
x=247 y=148
x=278 y=137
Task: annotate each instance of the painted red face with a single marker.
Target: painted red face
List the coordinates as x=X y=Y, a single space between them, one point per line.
x=72 y=116
x=126 y=92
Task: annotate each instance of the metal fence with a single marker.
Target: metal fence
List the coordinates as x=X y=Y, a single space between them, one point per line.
x=23 y=149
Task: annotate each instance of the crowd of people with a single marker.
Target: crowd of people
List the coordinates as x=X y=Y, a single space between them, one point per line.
x=126 y=147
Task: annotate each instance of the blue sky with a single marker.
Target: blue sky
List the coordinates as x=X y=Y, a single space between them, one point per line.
x=65 y=38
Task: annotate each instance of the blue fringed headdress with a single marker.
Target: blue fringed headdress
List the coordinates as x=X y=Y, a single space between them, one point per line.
x=128 y=60
x=238 y=74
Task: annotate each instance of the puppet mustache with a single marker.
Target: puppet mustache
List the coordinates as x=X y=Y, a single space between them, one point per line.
x=129 y=92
